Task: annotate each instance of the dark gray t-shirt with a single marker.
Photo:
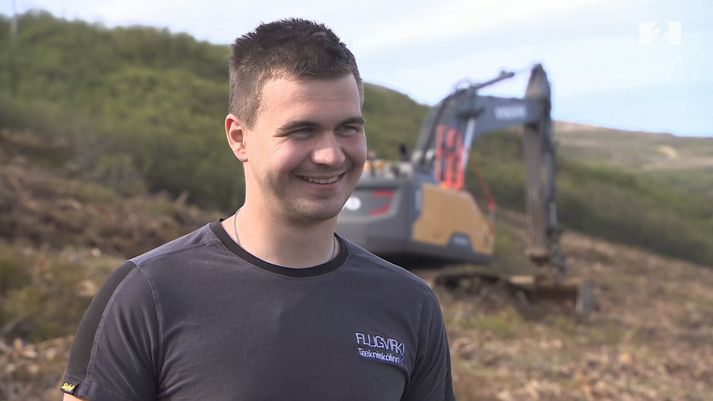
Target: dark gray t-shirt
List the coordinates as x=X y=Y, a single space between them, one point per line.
x=200 y=317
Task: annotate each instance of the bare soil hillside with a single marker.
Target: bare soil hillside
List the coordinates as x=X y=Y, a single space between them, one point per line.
x=651 y=337
x=39 y=207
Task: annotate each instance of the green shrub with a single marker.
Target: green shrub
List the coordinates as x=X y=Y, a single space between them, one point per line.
x=51 y=290
x=13 y=270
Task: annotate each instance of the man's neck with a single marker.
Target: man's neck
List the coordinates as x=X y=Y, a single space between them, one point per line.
x=282 y=243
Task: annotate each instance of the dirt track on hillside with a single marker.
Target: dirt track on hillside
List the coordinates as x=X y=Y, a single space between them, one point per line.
x=650 y=339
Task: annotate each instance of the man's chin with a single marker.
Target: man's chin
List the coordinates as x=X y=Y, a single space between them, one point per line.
x=315 y=214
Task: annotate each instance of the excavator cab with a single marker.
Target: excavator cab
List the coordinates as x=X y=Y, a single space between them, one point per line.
x=397 y=212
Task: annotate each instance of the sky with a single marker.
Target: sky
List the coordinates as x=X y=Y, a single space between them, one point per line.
x=639 y=65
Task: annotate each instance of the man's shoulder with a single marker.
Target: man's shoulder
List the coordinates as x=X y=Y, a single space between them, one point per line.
x=197 y=240
x=381 y=270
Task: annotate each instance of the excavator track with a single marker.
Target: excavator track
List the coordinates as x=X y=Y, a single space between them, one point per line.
x=571 y=292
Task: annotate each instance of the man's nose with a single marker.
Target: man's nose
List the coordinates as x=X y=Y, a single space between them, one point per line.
x=328 y=150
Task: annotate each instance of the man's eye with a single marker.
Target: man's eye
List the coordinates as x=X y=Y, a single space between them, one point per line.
x=349 y=130
x=302 y=132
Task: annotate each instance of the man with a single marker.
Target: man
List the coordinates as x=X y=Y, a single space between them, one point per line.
x=270 y=304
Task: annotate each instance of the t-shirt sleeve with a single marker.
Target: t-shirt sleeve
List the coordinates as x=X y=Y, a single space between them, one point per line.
x=115 y=350
x=431 y=377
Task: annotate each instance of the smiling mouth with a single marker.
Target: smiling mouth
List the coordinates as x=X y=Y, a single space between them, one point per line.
x=322 y=180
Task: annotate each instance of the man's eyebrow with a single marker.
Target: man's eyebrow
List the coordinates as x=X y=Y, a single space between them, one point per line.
x=354 y=120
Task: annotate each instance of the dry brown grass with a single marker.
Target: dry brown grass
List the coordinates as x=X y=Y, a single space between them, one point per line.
x=650 y=338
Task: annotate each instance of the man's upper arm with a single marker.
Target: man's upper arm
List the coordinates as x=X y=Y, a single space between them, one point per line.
x=113 y=355
x=431 y=376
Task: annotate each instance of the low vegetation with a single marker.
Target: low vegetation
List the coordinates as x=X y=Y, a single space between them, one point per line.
x=140 y=110
x=606 y=200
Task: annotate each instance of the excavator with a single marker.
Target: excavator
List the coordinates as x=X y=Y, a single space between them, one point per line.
x=417 y=210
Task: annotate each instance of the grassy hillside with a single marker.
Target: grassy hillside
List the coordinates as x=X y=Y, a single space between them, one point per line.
x=140 y=110
x=608 y=200
x=686 y=164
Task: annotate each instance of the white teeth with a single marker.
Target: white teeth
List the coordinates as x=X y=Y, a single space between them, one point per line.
x=321 y=180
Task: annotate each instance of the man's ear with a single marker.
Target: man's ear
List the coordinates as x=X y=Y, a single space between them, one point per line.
x=235 y=131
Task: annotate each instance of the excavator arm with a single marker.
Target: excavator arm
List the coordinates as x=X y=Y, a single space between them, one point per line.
x=446 y=139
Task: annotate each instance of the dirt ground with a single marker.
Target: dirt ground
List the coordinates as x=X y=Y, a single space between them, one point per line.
x=650 y=338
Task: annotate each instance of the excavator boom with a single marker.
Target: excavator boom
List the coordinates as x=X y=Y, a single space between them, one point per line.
x=446 y=139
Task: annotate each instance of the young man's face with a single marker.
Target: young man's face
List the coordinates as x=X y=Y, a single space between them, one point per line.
x=307 y=148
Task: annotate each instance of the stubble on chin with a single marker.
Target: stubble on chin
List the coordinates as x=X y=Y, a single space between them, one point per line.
x=303 y=212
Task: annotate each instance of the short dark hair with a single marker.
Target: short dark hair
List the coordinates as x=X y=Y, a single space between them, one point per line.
x=289 y=48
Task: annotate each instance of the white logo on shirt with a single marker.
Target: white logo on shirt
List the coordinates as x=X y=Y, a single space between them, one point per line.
x=380 y=348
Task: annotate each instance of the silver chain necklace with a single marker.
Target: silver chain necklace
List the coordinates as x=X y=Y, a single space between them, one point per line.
x=237 y=238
